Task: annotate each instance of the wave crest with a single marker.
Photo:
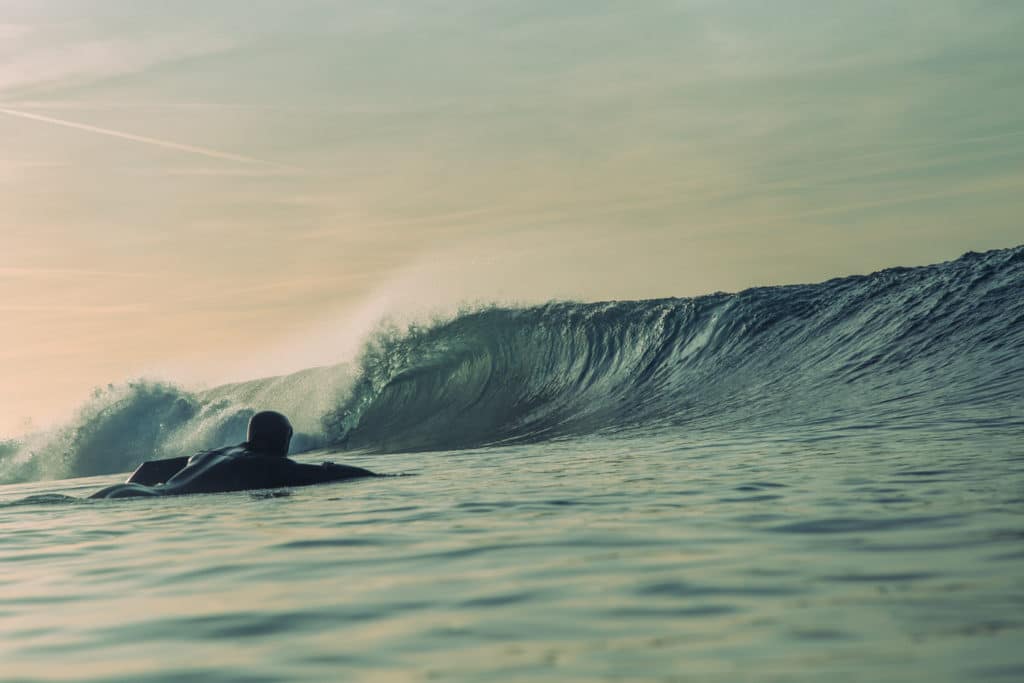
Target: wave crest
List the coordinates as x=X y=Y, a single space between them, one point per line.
x=940 y=346
x=121 y=426
x=922 y=344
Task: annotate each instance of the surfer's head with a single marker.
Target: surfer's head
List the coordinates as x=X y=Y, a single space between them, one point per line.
x=270 y=432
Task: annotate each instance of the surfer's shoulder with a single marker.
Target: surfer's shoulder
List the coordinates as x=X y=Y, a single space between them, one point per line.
x=227 y=451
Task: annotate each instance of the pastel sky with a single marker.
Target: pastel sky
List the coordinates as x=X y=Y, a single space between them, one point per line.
x=210 y=191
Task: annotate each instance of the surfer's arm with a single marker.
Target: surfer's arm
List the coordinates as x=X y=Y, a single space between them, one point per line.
x=155 y=472
x=335 y=471
x=302 y=475
x=127 y=491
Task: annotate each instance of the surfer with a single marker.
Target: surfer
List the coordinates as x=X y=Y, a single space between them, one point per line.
x=260 y=462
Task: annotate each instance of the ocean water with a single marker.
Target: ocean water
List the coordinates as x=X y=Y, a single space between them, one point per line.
x=816 y=482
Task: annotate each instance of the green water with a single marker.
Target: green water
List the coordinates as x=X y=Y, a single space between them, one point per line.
x=857 y=556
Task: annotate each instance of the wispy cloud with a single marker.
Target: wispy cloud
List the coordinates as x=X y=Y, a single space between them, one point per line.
x=54 y=53
x=18 y=165
x=281 y=289
x=998 y=184
x=121 y=105
x=7 y=271
x=166 y=144
x=14 y=31
x=432 y=219
x=73 y=309
x=265 y=172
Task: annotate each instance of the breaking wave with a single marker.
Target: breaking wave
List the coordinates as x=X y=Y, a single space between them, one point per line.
x=909 y=346
x=935 y=347
x=121 y=426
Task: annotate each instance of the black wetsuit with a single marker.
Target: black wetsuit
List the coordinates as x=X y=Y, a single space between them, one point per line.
x=237 y=468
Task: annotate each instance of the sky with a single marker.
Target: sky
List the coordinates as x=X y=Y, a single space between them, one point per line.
x=208 y=192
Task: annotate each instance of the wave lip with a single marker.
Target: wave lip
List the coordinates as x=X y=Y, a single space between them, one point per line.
x=904 y=345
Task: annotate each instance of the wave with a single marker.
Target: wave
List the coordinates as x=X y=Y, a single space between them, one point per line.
x=934 y=345
x=938 y=346
x=121 y=426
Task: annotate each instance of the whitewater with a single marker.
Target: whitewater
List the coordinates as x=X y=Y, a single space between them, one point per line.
x=801 y=482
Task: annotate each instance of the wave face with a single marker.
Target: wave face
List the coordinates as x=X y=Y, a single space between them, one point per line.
x=122 y=426
x=934 y=346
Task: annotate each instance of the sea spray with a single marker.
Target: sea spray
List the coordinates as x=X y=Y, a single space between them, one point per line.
x=123 y=425
x=117 y=428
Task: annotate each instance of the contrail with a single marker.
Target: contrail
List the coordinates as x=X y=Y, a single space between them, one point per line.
x=166 y=144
